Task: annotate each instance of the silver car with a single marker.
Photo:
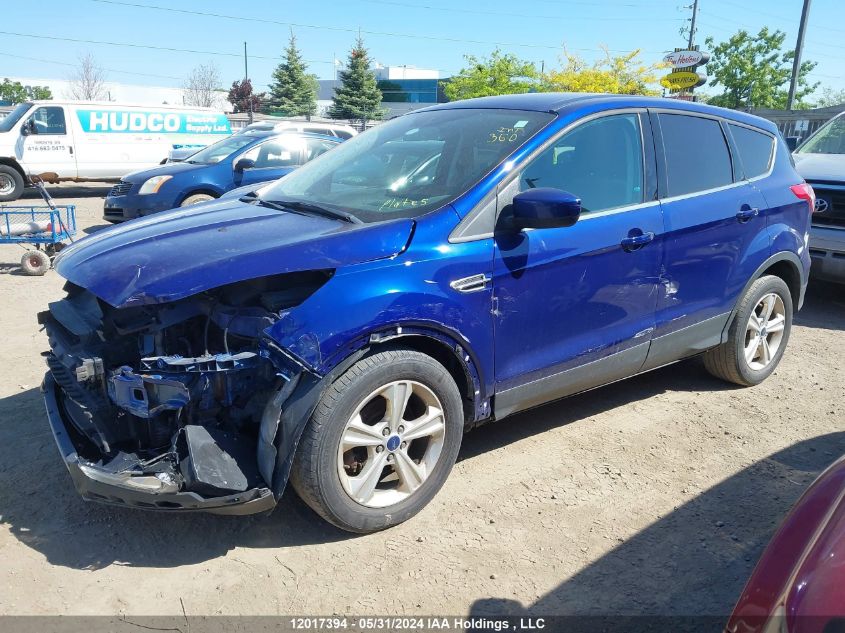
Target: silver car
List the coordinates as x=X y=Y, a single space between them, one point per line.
x=821 y=161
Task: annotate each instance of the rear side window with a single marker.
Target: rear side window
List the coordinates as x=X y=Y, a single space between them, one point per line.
x=342 y=134
x=755 y=150
x=697 y=156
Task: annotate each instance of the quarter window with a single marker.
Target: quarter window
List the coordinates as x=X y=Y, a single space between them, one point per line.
x=49 y=120
x=697 y=156
x=755 y=150
x=600 y=161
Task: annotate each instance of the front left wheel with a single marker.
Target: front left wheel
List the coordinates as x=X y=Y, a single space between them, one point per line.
x=196 y=199
x=381 y=442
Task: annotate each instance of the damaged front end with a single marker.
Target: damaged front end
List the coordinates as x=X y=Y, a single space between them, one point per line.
x=176 y=406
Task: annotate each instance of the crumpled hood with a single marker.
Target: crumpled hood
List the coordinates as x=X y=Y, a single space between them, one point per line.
x=816 y=167
x=179 y=253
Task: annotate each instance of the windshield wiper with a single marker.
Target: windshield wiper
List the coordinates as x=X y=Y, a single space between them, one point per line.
x=310 y=208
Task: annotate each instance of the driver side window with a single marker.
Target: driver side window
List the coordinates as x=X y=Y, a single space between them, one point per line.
x=275 y=154
x=48 y=120
x=600 y=161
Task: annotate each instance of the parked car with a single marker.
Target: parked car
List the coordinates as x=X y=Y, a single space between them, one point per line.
x=821 y=161
x=236 y=161
x=798 y=585
x=340 y=130
x=75 y=140
x=343 y=332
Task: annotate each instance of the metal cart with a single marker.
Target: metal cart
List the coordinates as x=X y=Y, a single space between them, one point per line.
x=47 y=229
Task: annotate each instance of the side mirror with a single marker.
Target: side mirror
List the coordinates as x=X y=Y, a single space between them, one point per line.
x=28 y=127
x=244 y=164
x=792 y=142
x=545 y=208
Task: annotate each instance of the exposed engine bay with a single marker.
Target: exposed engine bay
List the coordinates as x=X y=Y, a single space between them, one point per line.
x=169 y=397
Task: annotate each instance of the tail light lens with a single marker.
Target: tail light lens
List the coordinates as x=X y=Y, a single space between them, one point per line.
x=805 y=192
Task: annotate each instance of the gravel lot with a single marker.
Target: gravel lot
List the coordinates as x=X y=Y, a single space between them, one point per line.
x=655 y=495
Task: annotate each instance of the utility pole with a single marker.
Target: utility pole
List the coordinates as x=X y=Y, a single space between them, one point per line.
x=799 y=48
x=246 y=78
x=691 y=42
x=692 y=25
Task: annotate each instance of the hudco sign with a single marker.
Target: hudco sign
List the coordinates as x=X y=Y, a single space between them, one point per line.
x=125 y=121
x=683 y=75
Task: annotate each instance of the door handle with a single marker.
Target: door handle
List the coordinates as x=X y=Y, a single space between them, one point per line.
x=746 y=213
x=636 y=242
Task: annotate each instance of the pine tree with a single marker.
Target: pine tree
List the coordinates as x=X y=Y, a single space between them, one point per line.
x=358 y=98
x=293 y=91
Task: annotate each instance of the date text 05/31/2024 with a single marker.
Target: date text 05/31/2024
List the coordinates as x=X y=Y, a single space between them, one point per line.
x=410 y=623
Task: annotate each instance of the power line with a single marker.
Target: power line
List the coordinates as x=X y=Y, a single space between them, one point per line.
x=111 y=70
x=148 y=46
x=784 y=18
x=349 y=29
x=532 y=16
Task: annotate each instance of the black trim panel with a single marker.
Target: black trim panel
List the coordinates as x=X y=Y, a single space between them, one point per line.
x=566 y=383
x=685 y=342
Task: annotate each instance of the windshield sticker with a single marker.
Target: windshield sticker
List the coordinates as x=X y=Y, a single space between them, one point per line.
x=505 y=134
x=519 y=124
x=402 y=203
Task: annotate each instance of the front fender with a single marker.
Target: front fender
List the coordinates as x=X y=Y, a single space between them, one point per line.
x=408 y=293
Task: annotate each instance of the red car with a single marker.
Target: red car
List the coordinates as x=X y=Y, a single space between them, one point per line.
x=798 y=585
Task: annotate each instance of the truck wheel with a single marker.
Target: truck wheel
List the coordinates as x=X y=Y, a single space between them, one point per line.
x=11 y=184
x=196 y=199
x=35 y=263
x=381 y=441
x=758 y=335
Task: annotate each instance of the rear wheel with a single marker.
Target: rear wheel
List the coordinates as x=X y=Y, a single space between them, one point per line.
x=196 y=199
x=381 y=442
x=11 y=184
x=758 y=335
x=35 y=263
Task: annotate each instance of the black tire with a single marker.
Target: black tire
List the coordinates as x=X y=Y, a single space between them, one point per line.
x=727 y=361
x=35 y=263
x=196 y=199
x=314 y=474
x=11 y=184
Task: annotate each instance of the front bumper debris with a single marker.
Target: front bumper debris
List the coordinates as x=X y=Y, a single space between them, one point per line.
x=145 y=491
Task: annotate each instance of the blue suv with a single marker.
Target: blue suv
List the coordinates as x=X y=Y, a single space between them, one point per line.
x=342 y=327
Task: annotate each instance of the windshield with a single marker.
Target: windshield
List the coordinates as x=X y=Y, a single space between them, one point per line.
x=14 y=116
x=220 y=150
x=829 y=139
x=410 y=165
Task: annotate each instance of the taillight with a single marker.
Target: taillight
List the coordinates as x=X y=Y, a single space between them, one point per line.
x=805 y=192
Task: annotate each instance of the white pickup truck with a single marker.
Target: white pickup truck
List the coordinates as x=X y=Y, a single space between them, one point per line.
x=79 y=141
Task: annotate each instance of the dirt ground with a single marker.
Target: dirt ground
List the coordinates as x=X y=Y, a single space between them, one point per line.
x=651 y=496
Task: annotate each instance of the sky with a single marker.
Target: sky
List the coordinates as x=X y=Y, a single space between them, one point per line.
x=125 y=36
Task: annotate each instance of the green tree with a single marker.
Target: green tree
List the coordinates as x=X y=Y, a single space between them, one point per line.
x=358 y=97
x=754 y=71
x=499 y=74
x=293 y=92
x=15 y=92
x=623 y=74
x=830 y=97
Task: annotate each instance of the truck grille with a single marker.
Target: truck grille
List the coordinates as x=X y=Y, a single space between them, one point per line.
x=830 y=206
x=120 y=189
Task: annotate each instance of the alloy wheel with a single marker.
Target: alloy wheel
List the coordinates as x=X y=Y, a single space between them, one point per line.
x=391 y=443
x=764 y=332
